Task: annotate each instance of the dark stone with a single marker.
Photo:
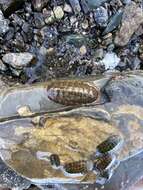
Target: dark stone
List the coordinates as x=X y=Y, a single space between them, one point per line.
x=10 y=6
x=39 y=20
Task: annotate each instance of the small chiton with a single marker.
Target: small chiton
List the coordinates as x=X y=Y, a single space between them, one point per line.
x=55 y=160
x=76 y=167
x=109 y=144
x=72 y=92
x=103 y=162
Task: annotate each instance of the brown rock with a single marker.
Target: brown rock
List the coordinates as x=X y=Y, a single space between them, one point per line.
x=132 y=18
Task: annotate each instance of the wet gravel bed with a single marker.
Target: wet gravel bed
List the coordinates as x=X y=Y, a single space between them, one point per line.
x=42 y=39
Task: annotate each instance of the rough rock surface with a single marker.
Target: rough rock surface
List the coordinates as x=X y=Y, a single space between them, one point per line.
x=132 y=18
x=4 y=24
x=18 y=60
x=125 y=107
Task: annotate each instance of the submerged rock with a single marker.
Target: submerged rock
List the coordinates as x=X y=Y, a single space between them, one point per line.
x=68 y=146
x=18 y=60
x=132 y=18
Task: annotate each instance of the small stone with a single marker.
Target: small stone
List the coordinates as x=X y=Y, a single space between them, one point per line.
x=18 y=60
x=110 y=61
x=49 y=17
x=75 y=6
x=39 y=20
x=67 y=8
x=10 y=34
x=38 y=5
x=24 y=111
x=132 y=19
x=99 y=53
x=4 y=24
x=59 y=13
x=95 y=3
x=85 y=24
x=10 y=6
x=114 y=22
x=83 y=50
x=101 y=16
x=2 y=66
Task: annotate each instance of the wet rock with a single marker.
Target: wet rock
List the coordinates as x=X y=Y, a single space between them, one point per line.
x=75 y=6
x=18 y=60
x=101 y=16
x=67 y=8
x=96 y=3
x=58 y=12
x=2 y=66
x=49 y=17
x=38 y=5
x=10 y=179
x=132 y=18
x=10 y=34
x=4 y=24
x=99 y=53
x=39 y=20
x=114 y=22
x=49 y=36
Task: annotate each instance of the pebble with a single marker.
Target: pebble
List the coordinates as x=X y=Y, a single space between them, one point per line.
x=18 y=60
x=39 y=20
x=58 y=12
x=4 y=24
x=114 y=22
x=99 y=53
x=95 y=3
x=67 y=8
x=10 y=6
x=75 y=6
x=83 y=50
x=132 y=19
x=38 y=5
x=49 y=17
x=110 y=61
x=2 y=66
x=101 y=16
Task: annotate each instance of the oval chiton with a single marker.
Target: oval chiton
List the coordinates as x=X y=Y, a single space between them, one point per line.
x=72 y=93
x=76 y=167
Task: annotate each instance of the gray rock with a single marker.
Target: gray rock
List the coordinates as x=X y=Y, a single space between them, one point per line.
x=2 y=66
x=58 y=12
x=18 y=60
x=4 y=24
x=10 y=179
x=101 y=16
x=96 y=3
x=114 y=22
x=75 y=6
x=39 y=4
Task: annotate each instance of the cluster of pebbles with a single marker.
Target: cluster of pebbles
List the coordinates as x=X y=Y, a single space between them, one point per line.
x=42 y=39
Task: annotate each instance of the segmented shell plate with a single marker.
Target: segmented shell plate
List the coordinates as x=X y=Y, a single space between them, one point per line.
x=72 y=92
x=109 y=144
x=76 y=167
x=102 y=162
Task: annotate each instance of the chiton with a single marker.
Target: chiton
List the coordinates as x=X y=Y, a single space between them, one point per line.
x=72 y=92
